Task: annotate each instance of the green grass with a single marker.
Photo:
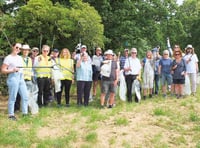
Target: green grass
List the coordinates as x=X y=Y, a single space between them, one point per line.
x=91 y=137
x=121 y=121
x=154 y=122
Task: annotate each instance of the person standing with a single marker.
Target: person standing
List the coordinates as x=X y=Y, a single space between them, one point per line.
x=43 y=66
x=179 y=72
x=15 y=81
x=123 y=58
x=66 y=65
x=34 y=54
x=148 y=74
x=109 y=72
x=78 y=55
x=156 y=57
x=165 y=66
x=132 y=70
x=84 y=79
x=96 y=64
x=28 y=73
x=54 y=55
x=191 y=67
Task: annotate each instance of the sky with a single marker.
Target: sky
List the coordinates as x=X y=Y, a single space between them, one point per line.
x=179 y=2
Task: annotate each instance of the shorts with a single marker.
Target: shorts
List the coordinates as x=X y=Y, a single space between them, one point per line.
x=107 y=86
x=96 y=76
x=178 y=81
x=166 y=78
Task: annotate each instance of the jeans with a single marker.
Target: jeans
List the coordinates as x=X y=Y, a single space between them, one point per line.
x=17 y=84
x=156 y=80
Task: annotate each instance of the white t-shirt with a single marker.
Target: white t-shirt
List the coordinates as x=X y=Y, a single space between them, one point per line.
x=96 y=60
x=191 y=65
x=13 y=62
x=134 y=64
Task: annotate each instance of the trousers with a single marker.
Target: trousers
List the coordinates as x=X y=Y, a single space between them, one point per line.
x=17 y=84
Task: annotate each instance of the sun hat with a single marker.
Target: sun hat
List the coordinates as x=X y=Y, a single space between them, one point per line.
x=109 y=51
x=189 y=46
x=35 y=48
x=25 y=47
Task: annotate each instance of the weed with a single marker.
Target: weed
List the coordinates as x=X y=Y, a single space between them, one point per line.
x=91 y=137
x=121 y=121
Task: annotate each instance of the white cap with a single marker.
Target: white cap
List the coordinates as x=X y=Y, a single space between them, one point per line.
x=83 y=46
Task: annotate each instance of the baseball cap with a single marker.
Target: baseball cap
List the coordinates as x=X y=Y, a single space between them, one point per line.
x=83 y=46
x=55 y=50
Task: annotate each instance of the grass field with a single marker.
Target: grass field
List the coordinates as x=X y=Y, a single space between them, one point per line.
x=156 y=122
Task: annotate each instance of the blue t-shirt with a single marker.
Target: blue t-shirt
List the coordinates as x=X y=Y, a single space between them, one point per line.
x=166 y=65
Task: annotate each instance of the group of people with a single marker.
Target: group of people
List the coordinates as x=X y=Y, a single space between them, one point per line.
x=31 y=78
x=170 y=72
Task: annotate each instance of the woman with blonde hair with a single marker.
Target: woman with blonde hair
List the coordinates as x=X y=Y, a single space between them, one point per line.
x=66 y=65
x=148 y=74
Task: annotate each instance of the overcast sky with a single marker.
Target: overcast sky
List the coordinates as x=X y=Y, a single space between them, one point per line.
x=179 y=2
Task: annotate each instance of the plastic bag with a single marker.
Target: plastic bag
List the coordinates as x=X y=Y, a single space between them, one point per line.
x=122 y=86
x=187 y=88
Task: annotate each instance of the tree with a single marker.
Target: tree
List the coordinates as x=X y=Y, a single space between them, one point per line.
x=140 y=24
x=40 y=22
x=189 y=15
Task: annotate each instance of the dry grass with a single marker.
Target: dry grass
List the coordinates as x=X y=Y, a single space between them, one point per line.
x=155 y=122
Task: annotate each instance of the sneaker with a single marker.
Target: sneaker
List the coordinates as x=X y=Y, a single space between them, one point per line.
x=164 y=95
x=110 y=106
x=12 y=118
x=25 y=115
x=150 y=95
x=67 y=105
x=59 y=105
x=177 y=96
x=193 y=94
x=102 y=107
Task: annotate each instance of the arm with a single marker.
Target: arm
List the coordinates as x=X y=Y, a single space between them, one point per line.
x=78 y=64
x=159 y=69
x=4 y=69
x=197 y=67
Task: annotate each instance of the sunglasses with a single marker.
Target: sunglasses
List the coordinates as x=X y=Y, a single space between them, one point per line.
x=177 y=54
x=35 y=51
x=17 y=47
x=133 y=52
x=45 y=50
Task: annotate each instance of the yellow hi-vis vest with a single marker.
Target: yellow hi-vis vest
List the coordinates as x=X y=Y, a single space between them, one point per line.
x=67 y=65
x=27 y=72
x=44 y=62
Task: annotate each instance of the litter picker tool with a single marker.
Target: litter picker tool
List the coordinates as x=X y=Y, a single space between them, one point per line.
x=54 y=67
